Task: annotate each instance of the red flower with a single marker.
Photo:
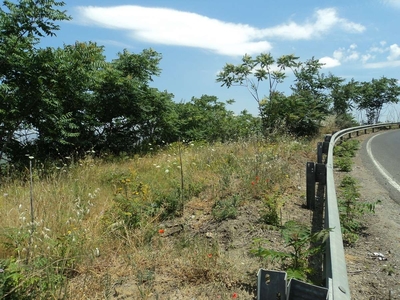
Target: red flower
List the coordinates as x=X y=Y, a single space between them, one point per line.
x=161 y=231
x=209 y=255
x=234 y=295
x=253 y=183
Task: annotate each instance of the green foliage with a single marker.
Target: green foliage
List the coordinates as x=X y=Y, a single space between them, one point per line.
x=372 y=96
x=344 y=164
x=130 y=206
x=207 y=119
x=42 y=278
x=344 y=153
x=351 y=210
x=270 y=213
x=297 y=238
x=345 y=120
x=226 y=208
x=291 y=115
x=299 y=114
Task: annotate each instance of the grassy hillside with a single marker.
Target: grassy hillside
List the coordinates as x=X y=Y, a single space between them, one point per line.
x=177 y=223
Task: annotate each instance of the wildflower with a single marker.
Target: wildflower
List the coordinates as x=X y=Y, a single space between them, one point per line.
x=287 y=176
x=253 y=183
x=209 y=255
x=166 y=171
x=234 y=295
x=161 y=231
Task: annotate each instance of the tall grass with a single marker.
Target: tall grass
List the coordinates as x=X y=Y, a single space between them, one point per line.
x=101 y=223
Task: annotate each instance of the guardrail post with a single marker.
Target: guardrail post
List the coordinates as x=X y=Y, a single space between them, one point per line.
x=319 y=152
x=325 y=144
x=320 y=173
x=310 y=185
x=271 y=285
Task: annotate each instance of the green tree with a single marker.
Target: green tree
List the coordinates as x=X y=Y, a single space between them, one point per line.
x=22 y=25
x=375 y=94
x=251 y=72
x=302 y=112
x=129 y=113
x=208 y=119
x=344 y=96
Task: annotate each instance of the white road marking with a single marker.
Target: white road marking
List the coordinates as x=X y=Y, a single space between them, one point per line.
x=380 y=168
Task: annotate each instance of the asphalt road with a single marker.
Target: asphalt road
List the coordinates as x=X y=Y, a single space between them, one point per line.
x=381 y=155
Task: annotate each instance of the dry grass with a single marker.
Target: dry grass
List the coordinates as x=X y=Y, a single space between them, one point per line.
x=81 y=234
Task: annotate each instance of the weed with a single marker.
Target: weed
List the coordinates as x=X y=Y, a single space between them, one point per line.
x=226 y=208
x=344 y=163
x=347 y=148
x=343 y=153
x=351 y=209
x=270 y=215
x=297 y=238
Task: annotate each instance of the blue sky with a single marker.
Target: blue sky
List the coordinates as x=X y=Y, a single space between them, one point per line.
x=355 y=39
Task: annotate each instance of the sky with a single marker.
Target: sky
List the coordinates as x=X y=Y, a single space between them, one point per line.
x=353 y=38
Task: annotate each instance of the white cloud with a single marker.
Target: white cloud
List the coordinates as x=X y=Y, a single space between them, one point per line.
x=366 y=57
x=344 y=55
x=324 y=20
x=329 y=62
x=384 y=64
x=394 y=52
x=173 y=27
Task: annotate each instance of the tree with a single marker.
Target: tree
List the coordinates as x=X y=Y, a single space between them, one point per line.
x=127 y=112
x=344 y=96
x=251 y=72
x=375 y=94
x=278 y=112
x=208 y=119
x=21 y=27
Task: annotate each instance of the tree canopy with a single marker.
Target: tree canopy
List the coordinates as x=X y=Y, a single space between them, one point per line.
x=57 y=102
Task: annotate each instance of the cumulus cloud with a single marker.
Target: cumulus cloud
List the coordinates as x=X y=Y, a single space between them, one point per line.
x=392 y=60
x=345 y=55
x=394 y=52
x=324 y=21
x=329 y=62
x=180 y=28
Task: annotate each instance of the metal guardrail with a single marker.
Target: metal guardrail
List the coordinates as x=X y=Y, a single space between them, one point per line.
x=335 y=263
x=273 y=284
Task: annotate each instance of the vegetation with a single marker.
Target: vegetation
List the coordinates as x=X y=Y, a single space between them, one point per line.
x=352 y=210
x=101 y=223
x=105 y=178
x=344 y=152
x=294 y=259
